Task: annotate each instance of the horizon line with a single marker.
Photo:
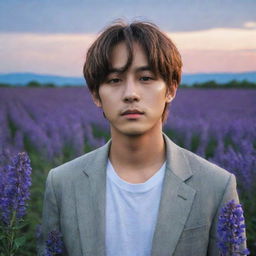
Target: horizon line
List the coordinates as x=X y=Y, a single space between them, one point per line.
x=75 y=76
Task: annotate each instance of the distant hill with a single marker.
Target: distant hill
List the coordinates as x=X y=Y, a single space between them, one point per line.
x=189 y=79
x=220 y=78
x=24 y=78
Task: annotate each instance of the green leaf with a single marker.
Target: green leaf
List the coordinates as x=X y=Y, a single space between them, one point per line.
x=19 y=241
x=20 y=226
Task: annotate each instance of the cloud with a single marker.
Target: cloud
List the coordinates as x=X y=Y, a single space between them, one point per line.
x=216 y=39
x=212 y=50
x=218 y=61
x=90 y=16
x=250 y=24
x=59 y=54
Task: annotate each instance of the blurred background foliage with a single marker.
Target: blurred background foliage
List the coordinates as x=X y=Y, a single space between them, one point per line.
x=55 y=125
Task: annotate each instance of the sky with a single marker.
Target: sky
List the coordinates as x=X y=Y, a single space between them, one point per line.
x=52 y=36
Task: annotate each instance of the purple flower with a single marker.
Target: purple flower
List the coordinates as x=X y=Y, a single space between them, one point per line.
x=231 y=230
x=54 y=244
x=15 y=182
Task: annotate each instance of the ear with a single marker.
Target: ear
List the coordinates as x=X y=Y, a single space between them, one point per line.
x=171 y=92
x=96 y=100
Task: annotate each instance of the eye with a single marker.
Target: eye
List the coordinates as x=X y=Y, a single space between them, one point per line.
x=146 y=78
x=113 y=81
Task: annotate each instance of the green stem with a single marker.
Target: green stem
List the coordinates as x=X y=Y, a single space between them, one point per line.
x=11 y=235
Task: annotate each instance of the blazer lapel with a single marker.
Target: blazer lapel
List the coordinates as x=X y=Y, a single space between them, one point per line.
x=176 y=201
x=90 y=202
x=175 y=204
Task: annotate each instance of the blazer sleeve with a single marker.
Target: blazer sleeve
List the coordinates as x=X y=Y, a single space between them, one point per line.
x=230 y=193
x=50 y=215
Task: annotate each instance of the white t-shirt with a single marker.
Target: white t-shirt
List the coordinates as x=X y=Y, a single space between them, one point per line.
x=131 y=213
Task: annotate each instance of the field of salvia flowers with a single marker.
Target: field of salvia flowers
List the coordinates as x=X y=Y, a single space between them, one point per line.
x=54 y=125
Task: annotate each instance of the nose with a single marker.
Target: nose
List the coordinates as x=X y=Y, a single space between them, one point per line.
x=130 y=91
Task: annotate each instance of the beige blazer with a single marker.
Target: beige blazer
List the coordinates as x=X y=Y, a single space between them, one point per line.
x=193 y=192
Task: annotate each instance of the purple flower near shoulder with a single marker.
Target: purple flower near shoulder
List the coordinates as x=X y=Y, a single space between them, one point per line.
x=54 y=244
x=15 y=182
x=231 y=230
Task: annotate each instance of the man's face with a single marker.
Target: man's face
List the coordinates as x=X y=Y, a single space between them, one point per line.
x=137 y=90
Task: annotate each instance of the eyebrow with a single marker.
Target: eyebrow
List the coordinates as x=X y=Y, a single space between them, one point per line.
x=122 y=70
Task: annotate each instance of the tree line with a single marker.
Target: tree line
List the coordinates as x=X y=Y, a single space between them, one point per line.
x=209 y=84
x=231 y=84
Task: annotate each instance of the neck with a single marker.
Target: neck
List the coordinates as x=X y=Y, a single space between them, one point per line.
x=137 y=152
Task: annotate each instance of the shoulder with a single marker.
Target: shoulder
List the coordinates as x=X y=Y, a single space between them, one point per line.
x=207 y=176
x=193 y=168
x=213 y=187
x=75 y=167
x=202 y=166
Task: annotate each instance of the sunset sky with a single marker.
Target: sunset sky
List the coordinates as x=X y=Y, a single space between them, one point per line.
x=52 y=36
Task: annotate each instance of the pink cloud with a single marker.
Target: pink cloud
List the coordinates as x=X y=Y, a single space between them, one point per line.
x=216 y=50
x=218 y=61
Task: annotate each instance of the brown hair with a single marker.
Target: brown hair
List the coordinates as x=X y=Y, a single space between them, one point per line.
x=163 y=56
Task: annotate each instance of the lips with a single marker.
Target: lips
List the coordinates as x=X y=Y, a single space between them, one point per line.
x=131 y=111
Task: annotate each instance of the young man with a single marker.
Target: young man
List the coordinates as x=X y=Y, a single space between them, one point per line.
x=140 y=194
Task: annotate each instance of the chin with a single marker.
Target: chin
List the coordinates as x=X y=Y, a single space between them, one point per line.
x=134 y=131
x=128 y=131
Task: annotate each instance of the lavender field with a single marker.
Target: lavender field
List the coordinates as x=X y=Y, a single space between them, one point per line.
x=56 y=124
